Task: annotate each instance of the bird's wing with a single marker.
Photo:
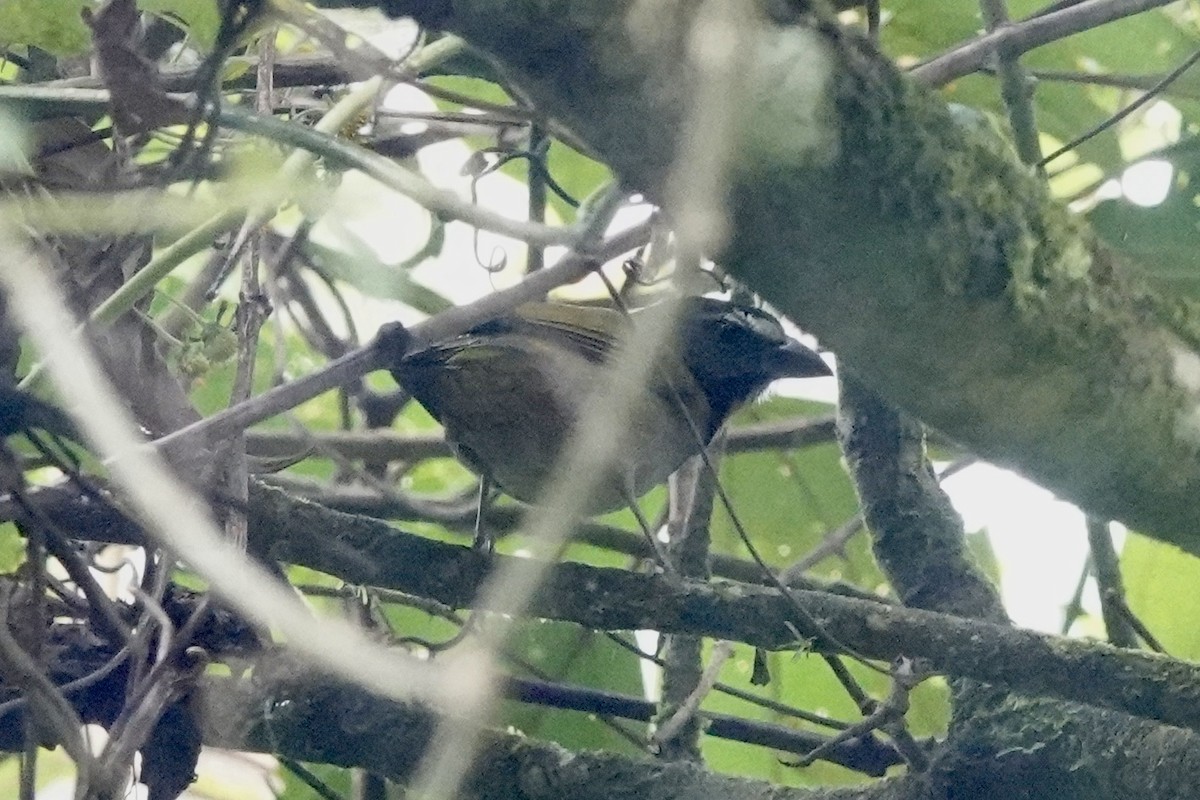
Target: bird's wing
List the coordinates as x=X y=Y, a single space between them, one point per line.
x=589 y=331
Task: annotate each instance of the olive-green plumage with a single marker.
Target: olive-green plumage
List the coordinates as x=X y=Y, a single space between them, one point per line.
x=509 y=391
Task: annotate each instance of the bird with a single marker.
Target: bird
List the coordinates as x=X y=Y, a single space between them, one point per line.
x=509 y=392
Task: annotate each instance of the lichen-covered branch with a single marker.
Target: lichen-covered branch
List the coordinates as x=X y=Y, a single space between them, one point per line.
x=314 y=719
x=916 y=534
x=370 y=552
x=281 y=706
x=1028 y=741
x=906 y=235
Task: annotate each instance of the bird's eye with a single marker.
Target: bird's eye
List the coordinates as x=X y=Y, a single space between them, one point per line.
x=761 y=324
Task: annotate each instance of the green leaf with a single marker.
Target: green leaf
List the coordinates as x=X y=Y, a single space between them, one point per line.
x=569 y=654
x=417 y=625
x=476 y=88
x=1160 y=587
x=577 y=174
x=355 y=263
x=1162 y=240
x=12 y=549
x=788 y=502
x=338 y=779
x=920 y=29
x=51 y=25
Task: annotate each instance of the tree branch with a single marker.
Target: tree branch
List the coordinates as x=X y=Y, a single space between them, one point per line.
x=369 y=552
x=1027 y=35
x=322 y=721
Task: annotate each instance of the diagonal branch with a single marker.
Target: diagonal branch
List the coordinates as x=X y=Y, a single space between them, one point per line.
x=1021 y=37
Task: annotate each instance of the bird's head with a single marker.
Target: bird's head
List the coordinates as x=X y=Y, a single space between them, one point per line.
x=734 y=351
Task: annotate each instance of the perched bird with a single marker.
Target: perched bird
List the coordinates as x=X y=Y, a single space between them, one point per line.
x=509 y=391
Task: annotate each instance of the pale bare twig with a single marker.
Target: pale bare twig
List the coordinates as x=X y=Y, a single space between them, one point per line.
x=1023 y=36
x=176 y=518
x=381 y=352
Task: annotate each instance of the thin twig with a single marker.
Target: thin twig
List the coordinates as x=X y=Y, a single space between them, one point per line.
x=1074 y=607
x=685 y=714
x=888 y=715
x=1151 y=94
x=56 y=714
x=1023 y=36
x=1122 y=625
x=686 y=681
x=1015 y=87
x=382 y=351
x=779 y=708
x=173 y=515
x=101 y=609
x=1109 y=583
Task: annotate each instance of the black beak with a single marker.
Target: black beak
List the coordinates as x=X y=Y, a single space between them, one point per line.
x=794 y=360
